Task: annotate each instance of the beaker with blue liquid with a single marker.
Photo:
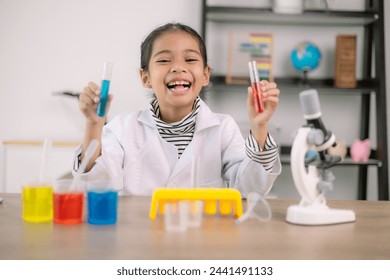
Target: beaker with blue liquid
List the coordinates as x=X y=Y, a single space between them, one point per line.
x=102 y=202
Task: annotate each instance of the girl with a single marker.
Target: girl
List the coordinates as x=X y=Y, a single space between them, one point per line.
x=157 y=147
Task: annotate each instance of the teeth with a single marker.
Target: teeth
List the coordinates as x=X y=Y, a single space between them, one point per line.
x=172 y=85
x=176 y=83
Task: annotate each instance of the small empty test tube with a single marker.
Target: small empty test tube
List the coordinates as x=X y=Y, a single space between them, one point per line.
x=255 y=83
x=106 y=79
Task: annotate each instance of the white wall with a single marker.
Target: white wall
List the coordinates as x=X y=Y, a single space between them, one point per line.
x=54 y=45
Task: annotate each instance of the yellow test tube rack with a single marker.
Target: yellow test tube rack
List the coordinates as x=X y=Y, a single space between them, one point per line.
x=228 y=200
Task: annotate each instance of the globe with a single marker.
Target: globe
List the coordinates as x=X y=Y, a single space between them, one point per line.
x=305 y=57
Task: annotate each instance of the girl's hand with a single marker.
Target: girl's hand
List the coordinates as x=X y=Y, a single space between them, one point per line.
x=88 y=102
x=259 y=121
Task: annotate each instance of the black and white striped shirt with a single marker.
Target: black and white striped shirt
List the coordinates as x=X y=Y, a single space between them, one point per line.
x=180 y=134
x=266 y=156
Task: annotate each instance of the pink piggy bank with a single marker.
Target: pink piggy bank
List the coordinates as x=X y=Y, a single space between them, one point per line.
x=361 y=150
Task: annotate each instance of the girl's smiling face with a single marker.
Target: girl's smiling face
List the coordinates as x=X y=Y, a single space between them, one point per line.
x=176 y=74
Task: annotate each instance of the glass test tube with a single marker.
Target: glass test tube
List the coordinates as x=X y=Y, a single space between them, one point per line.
x=105 y=86
x=255 y=83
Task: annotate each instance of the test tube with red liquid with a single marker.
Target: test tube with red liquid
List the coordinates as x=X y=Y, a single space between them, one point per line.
x=256 y=88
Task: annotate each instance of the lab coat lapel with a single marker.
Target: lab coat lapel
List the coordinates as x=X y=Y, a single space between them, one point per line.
x=167 y=150
x=182 y=161
x=204 y=120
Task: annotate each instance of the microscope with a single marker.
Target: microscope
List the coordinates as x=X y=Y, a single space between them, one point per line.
x=310 y=166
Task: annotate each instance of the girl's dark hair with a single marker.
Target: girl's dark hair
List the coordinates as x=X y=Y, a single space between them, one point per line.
x=147 y=44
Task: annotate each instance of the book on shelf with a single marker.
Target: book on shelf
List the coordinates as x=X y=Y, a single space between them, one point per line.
x=345 y=61
x=244 y=47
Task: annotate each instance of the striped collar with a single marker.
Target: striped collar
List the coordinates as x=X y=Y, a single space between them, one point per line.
x=182 y=126
x=205 y=118
x=179 y=133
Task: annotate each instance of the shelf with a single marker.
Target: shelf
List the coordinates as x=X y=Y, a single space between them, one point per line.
x=366 y=86
x=286 y=159
x=371 y=20
x=310 y=17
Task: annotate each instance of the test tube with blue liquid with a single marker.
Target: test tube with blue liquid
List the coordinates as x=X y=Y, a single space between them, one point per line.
x=104 y=89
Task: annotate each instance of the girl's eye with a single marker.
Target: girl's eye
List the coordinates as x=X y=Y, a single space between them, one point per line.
x=163 y=60
x=192 y=59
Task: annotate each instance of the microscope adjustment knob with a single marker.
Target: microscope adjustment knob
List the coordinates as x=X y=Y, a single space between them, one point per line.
x=326 y=182
x=315 y=137
x=324 y=186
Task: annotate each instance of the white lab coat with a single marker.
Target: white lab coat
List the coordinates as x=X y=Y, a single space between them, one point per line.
x=139 y=160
